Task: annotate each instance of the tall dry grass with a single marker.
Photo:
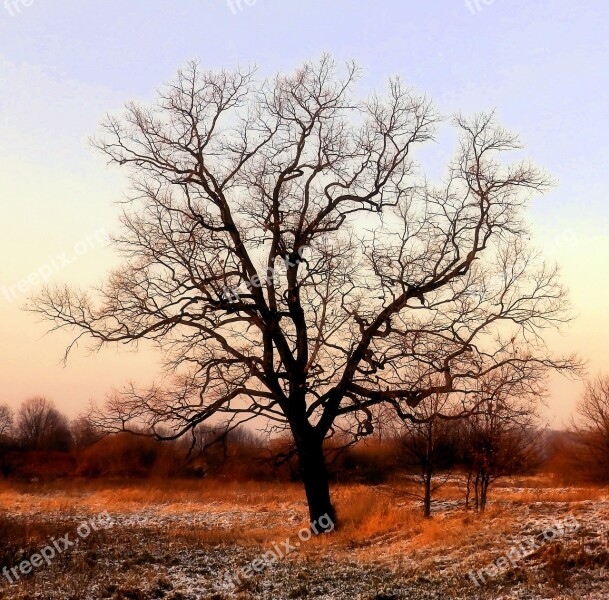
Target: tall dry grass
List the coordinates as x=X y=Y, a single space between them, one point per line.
x=367 y=515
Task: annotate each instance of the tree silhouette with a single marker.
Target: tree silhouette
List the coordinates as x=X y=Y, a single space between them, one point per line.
x=501 y=437
x=6 y=419
x=427 y=443
x=285 y=253
x=40 y=426
x=591 y=426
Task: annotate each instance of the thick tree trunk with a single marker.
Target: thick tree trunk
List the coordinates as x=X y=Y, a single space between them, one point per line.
x=317 y=485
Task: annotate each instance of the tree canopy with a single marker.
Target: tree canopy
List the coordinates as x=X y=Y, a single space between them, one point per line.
x=289 y=257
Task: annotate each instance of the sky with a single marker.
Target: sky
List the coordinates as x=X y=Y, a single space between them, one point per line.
x=543 y=65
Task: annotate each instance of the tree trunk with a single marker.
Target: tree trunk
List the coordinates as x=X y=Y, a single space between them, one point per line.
x=427 y=499
x=477 y=492
x=317 y=485
x=428 y=471
x=468 y=489
x=483 y=493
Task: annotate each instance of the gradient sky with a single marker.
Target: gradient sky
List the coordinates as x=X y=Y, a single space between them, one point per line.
x=63 y=65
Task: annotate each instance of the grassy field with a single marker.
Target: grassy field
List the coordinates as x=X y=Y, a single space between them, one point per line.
x=184 y=540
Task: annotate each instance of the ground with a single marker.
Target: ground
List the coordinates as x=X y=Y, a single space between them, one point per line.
x=187 y=540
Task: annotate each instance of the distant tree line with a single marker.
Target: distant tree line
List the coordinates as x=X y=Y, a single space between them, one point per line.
x=434 y=445
x=38 y=426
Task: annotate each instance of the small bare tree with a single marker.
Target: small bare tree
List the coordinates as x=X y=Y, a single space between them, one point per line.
x=84 y=432
x=591 y=426
x=291 y=262
x=501 y=436
x=6 y=428
x=426 y=443
x=6 y=419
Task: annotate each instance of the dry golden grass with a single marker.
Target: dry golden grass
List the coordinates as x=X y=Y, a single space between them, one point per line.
x=367 y=514
x=551 y=495
x=379 y=526
x=122 y=496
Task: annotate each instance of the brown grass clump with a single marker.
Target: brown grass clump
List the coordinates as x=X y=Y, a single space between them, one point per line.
x=444 y=532
x=561 y=562
x=365 y=513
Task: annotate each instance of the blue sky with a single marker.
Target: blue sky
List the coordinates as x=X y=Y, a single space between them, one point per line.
x=543 y=65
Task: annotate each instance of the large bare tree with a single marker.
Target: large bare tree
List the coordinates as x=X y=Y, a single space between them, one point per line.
x=284 y=251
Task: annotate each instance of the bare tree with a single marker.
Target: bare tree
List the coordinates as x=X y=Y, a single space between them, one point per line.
x=501 y=436
x=427 y=445
x=6 y=428
x=290 y=260
x=591 y=426
x=41 y=426
x=84 y=432
x=6 y=419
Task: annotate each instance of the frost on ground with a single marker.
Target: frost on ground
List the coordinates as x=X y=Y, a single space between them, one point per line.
x=182 y=548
